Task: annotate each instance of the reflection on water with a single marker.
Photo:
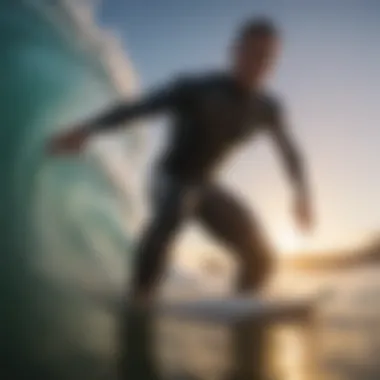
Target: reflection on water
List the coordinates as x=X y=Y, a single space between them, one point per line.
x=289 y=356
x=345 y=344
x=202 y=349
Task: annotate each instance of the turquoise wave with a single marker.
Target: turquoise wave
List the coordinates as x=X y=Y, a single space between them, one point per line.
x=63 y=230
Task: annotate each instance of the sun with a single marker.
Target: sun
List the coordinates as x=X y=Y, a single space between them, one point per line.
x=289 y=241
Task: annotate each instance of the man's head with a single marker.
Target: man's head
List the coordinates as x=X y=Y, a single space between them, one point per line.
x=255 y=50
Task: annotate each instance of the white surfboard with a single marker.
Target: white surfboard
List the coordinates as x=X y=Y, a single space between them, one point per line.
x=231 y=309
x=237 y=309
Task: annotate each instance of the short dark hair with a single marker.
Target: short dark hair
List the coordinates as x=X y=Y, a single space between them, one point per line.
x=258 y=26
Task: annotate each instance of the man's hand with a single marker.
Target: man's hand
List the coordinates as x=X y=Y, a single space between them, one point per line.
x=303 y=213
x=68 y=142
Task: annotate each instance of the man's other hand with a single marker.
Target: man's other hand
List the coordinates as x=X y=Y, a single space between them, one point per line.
x=303 y=214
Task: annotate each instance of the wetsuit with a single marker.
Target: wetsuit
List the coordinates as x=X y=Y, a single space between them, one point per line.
x=211 y=115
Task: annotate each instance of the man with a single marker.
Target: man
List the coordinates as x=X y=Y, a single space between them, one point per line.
x=212 y=114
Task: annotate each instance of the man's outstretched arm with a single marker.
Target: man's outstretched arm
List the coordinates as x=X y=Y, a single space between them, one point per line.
x=295 y=168
x=162 y=100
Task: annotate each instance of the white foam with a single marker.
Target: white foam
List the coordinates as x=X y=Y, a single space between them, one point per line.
x=120 y=153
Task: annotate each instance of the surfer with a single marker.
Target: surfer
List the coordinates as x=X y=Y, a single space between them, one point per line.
x=211 y=115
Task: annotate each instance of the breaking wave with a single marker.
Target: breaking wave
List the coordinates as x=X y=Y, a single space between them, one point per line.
x=66 y=224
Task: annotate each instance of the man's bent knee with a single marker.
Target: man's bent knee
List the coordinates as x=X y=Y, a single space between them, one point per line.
x=257 y=266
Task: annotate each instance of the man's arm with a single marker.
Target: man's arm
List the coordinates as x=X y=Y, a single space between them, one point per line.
x=162 y=100
x=294 y=165
x=291 y=157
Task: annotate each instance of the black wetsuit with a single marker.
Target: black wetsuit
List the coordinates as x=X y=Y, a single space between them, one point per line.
x=211 y=115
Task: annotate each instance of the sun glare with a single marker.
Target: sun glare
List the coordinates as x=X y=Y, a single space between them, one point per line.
x=289 y=242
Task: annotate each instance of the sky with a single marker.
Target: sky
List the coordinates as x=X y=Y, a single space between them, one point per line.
x=329 y=79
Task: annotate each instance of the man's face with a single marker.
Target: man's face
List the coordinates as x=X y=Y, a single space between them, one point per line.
x=255 y=56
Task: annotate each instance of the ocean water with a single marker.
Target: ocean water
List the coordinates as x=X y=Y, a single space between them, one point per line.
x=342 y=343
x=65 y=230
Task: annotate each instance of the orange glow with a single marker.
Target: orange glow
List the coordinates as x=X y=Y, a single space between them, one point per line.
x=289 y=241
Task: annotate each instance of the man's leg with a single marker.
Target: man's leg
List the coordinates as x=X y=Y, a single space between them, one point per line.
x=170 y=201
x=226 y=218
x=154 y=246
x=229 y=221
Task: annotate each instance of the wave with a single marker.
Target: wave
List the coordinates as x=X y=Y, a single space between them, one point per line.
x=66 y=224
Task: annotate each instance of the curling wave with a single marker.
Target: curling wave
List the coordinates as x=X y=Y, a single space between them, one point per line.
x=66 y=224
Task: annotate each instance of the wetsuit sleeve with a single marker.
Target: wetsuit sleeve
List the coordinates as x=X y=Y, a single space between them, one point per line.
x=163 y=100
x=287 y=147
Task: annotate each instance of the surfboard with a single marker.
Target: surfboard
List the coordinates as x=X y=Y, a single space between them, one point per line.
x=239 y=309
x=228 y=310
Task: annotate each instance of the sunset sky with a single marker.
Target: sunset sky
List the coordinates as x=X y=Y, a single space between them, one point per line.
x=329 y=77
